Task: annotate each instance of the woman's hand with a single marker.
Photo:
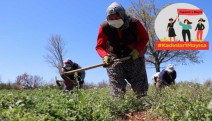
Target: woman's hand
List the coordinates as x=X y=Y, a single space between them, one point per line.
x=178 y=18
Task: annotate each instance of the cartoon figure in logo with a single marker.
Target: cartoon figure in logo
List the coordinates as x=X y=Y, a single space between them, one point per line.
x=200 y=27
x=186 y=26
x=170 y=27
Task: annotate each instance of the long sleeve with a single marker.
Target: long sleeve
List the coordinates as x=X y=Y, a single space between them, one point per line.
x=180 y=23
x=203 y=27
x=174 y=75
x=142 y=39
x=189 y=26
x=196 y=27
x=174 y=22
x=162 y=76
x=101 y=43
x=185 y=26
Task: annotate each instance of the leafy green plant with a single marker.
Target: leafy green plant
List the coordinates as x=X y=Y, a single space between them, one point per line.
x=187 y=101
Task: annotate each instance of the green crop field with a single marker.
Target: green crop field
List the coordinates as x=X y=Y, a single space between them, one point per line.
x=186 y=101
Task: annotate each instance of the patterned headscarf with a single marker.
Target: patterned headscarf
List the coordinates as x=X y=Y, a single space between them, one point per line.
x=67 y=63
x=116 y=8
x=170 y=68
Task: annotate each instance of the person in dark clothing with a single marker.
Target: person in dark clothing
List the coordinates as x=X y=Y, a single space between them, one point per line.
x=170 y=27
x=72 y=80
x=122 y=36
x=168 y=76
x=186 y=26
x=200 y=27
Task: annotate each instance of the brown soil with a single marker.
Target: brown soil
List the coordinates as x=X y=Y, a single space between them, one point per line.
x=142 y=116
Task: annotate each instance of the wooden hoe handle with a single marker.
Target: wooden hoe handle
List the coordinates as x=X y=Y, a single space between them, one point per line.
x=95 y=66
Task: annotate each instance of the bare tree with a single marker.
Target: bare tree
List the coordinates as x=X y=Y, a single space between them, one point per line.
x=37 y=81
x=28 y=81
x=146 y=11
x=56 y=51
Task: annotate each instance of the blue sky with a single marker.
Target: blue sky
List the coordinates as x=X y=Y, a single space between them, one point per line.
x=26 y=26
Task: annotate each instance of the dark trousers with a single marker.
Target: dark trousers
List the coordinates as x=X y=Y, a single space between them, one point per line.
x=184 y=32
x=70 y=82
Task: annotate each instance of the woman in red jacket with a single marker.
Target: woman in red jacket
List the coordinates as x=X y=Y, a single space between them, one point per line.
x=121 y=36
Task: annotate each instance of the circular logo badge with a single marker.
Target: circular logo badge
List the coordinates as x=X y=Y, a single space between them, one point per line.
x=181 y=22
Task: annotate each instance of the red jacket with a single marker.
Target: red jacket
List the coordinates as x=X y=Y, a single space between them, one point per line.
x=139 y=45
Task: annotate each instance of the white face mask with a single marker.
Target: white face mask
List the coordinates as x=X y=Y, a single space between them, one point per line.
x=116 y=23
x=68 y=68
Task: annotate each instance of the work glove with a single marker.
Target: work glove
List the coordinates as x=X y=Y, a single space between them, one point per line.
x=77 y=77
x=134 y=54
x=107 y=60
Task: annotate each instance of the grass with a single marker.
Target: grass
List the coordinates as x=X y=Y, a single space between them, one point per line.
x=186 y=101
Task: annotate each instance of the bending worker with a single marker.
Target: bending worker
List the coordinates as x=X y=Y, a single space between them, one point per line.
x=168 y=75
x=72 y=80
x=121 y=36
